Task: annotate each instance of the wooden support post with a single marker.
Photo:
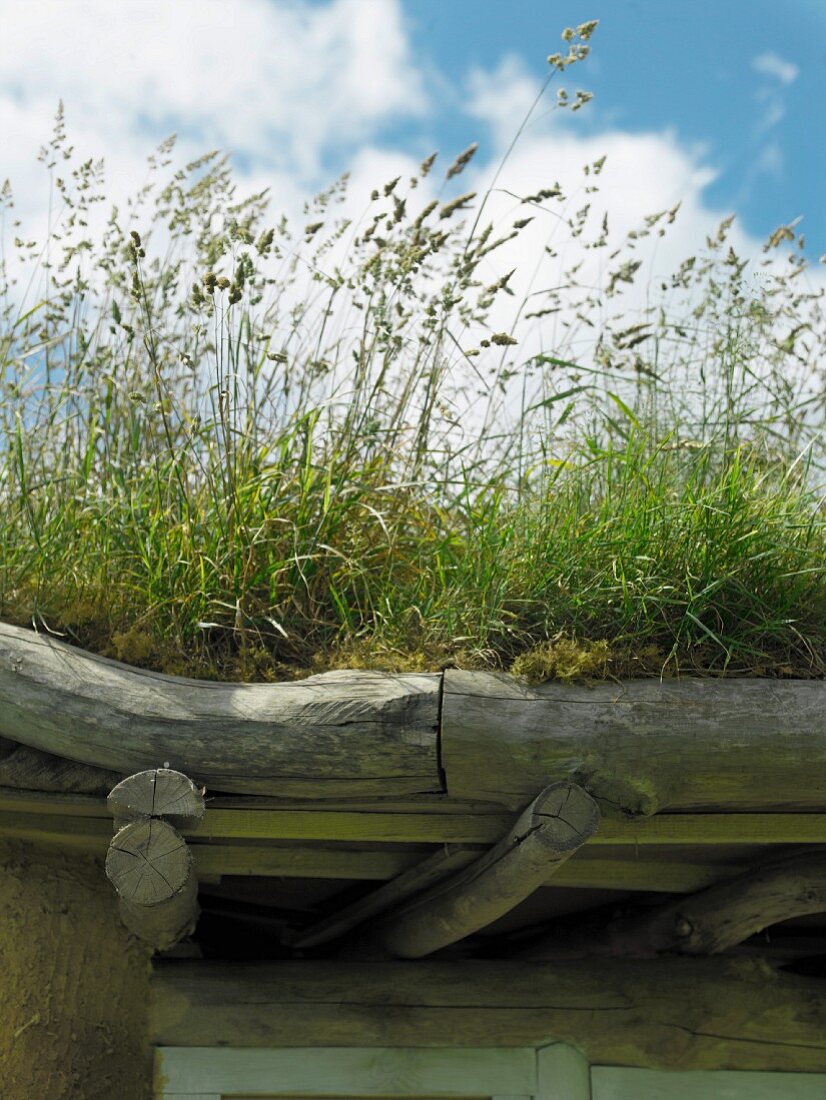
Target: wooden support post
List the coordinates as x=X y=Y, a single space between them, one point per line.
x=546 y=833
x=706 y=923
x=149 y=862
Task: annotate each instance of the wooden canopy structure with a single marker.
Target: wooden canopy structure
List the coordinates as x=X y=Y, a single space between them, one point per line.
x=565 y=862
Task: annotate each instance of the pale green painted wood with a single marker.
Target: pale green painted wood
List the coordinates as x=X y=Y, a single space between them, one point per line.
x=614 y=1083
x=340 y=1072
x=562 y=1073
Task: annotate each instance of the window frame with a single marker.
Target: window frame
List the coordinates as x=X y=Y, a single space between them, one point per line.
x=556 y=1072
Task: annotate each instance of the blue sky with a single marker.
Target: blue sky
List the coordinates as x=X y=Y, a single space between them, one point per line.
x=690 y=66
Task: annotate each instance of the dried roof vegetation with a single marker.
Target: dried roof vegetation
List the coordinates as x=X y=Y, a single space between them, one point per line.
x=244 y=447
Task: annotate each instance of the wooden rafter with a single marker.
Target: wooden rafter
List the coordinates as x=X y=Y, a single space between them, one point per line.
x=546 y=834
x=706 y=923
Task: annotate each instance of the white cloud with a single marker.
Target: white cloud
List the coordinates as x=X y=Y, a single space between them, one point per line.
x=771 y=64
x=285 y=85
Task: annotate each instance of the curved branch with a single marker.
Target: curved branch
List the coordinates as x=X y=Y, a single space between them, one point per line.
x=706 y=923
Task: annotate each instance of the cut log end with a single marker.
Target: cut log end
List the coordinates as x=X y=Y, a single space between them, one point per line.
x=547 y=832
x=565 y=816
x=148 y=861
x=158 y=792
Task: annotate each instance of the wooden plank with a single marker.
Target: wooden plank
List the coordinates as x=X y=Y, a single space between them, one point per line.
x=665 y=1013
x=338 y=734
x=641 y=745
x=301 y=862
x=434 y=823
x=562 y=1073
x=334 y=1072
x=376 y=864
x=692 y=830
x=613 y=1083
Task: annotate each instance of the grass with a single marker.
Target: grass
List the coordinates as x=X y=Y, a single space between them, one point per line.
x=234 y=448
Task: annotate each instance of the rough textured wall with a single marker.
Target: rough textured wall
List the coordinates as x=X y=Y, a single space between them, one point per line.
x=74 y=984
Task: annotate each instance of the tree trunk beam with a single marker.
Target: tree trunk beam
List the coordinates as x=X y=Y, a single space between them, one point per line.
x=639 y=746
x=411 y=881
x=547 y=833
x=341 y=734
x=706 y=923
x=23 y=768
x=159 y=792
x=666 y=1013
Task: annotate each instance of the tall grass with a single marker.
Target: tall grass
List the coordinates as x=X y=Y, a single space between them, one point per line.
x=234 y=447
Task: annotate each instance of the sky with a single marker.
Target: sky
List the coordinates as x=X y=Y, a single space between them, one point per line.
x=724 y=97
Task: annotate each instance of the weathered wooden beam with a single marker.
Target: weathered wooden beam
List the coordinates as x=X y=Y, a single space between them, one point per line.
x=23 y=811
x=619 y=872
x=641 y=746
x=671 y=1013
x=414 y=880
x=30 y=769
x=706 y=923
x=547 y=833
x=340 y=734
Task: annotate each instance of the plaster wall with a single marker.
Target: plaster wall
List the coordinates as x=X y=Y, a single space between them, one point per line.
x=74 y=984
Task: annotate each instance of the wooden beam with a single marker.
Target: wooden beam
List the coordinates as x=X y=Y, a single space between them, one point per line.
x=414 y=880
x=57 y=819
x=341 y=734
x=546 y=834
x=707 y=923
x=30 y=769
x=634 y=872
x=639 y=746
x=642 y=746
x=669 y=1013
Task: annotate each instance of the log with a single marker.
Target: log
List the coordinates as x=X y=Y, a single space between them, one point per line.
x=706 y=923
x=639 y=746
x=547 y=833
x=158 y=792
x=29 y=769
x=148 y=861
x=340 y=734
x=163 y=925
x=669 y=1013
x=150 y=866
x=411 y=881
